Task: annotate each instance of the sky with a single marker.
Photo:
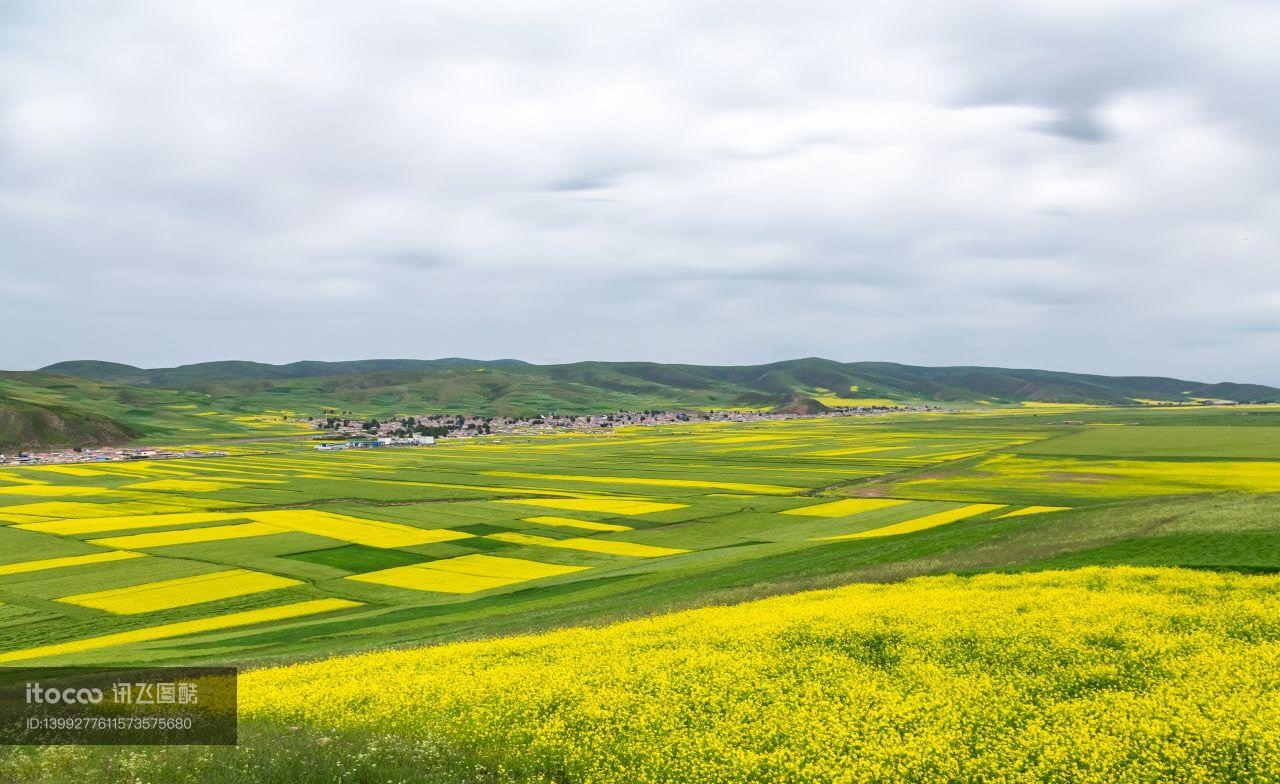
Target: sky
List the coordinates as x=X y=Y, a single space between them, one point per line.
x=1087 y=185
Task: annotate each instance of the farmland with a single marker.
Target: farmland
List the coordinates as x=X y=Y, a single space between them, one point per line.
x=86 y=402
x=279 y=553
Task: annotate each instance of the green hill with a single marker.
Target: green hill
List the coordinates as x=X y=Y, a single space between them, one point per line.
x=510 y=386
x=197 y=374
x=39 y=409
x=45 y=409
x=87 y=402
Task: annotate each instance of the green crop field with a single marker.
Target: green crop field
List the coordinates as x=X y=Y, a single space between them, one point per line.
x=279 y=553
x=476 y=537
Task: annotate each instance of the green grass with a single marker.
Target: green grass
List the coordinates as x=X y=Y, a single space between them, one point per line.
x=265 y=753
x=108 y=403
x=357 y=558
x=1162 y=493
x=584 y=386
x=1158 y=441
x=739 y=544
x=39 y=409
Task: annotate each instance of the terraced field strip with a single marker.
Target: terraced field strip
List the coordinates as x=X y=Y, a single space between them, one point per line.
x=503 y=489
x=630 y=506
x=56 y=491
x=71 y=470
x=567 y=522
x=357 y=530
x=657 y=482
x=187 y=485
x=465 y=574
x=1030 y=510
x=61 y=563
x=1084 y=480
x=188 y=536
x=62 y=510
x=604 y=546
x=846 y=506
x=180 y=592
x=920 y=523
x=857 y=450
x=96 y=525
x=182 y=628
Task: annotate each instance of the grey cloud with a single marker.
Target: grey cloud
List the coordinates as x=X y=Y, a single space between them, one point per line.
x=1080 y=125
x=1023 y=182
x=581 y=182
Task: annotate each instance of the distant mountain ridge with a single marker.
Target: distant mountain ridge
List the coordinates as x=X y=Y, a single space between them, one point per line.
x=800 y=376
x=86 y=402
x=238 y=370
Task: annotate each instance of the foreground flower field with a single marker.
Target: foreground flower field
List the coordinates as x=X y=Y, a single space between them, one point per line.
x=1094 y=675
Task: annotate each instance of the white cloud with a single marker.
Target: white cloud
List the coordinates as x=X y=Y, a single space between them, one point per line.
x=1088 y=186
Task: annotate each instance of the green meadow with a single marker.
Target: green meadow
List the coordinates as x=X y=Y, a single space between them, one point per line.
x=280 y=552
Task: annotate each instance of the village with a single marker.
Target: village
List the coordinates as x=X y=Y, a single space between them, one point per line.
x=423 y=430
x=339 y=432
x=106 y=454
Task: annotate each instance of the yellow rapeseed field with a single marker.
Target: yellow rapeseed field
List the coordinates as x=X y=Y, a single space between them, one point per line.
x=465 y=574
x=71 y=560
x=63 y=510
x=69 y=470
x=180 y=591
x=371 y=533
x=847 y=506
x=1029 y=510
x=744 y=487
x=1096 y=676
x=587 y=545
x=95 y=525
x=55 y=491
x=921 y=523
x=1068 y=476
x=622 y=506
x=180 y=628
x=185 y=485
x=568 y=522
x=215 y=533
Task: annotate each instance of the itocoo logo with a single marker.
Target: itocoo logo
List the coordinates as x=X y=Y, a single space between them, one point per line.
x=44 y=695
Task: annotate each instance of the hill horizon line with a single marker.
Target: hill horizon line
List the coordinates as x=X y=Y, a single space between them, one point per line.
x=92 y=368
x=88 y=401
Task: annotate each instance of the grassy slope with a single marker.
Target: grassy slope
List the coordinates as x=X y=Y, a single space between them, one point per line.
x=91 y=403
x=740 y=557
x=43 y=409
x=1237 y=532
x=1229 y=532
x=506 y=386
x=1097 y=676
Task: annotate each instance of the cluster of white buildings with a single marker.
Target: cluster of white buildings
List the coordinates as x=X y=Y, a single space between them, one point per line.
x=392 y=432
x=106 y=454
x=381 y=441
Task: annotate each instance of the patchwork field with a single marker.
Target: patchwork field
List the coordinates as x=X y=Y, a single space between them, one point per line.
x=167 y=561
x=280 y=553
x=935 y=679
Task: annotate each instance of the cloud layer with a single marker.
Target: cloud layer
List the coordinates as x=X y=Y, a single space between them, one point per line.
x=1087 y=185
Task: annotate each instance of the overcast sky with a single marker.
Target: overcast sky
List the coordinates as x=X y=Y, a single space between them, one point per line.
x=1088 y=185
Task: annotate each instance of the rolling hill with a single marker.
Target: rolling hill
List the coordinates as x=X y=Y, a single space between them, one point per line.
x=89 y=402
x=52 y=412
x=367 y=380
x=40 y=409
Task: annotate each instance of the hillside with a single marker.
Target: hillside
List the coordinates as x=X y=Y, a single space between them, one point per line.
x=41 y=409
x=504 y=387
x=547 y=569
x=866 y=683
x=33 y=414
